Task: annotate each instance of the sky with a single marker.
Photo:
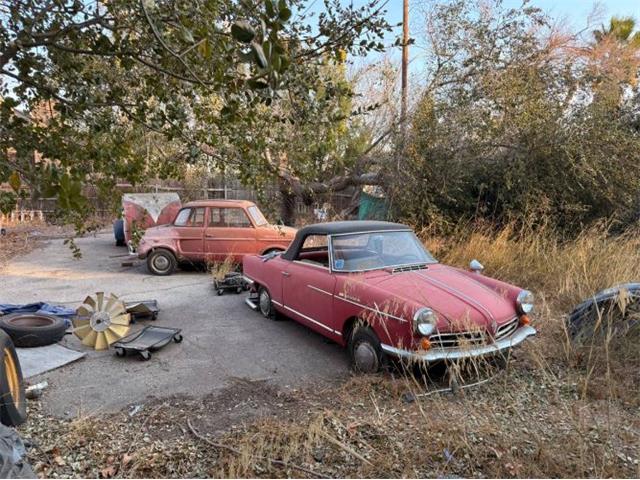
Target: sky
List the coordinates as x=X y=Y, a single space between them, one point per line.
x=575 y=14
x=575 y=11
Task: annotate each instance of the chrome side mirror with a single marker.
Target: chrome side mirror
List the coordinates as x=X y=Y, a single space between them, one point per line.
x=476 y=266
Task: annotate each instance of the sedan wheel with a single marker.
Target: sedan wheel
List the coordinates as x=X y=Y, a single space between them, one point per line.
x=161 y=262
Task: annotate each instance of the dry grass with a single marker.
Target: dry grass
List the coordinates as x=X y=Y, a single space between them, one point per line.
x=555 y=411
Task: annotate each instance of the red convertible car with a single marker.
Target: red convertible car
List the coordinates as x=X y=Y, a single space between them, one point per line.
x=374 y=288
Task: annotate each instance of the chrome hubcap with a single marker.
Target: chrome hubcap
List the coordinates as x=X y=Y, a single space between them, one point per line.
x=366 y=358
x=265 y=303
x=161 y=262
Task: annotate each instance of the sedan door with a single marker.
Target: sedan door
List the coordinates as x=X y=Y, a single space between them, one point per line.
x=229 y=233
x=189 y=229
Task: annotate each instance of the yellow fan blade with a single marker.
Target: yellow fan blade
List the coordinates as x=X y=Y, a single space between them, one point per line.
x=120 y=330
x=100 y=296
x=116 y=308
x=101 y=342
x=82 y=331
x=110 y=302
x=123 y=319
x=90 y=339
x=110 y=336
x=80 y=322
x=91 y=302
x=83 y=311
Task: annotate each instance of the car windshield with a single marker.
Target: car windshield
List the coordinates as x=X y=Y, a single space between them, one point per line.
x=375 y=250
x=258 y=217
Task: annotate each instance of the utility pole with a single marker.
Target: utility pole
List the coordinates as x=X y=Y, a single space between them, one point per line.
x=405 y=62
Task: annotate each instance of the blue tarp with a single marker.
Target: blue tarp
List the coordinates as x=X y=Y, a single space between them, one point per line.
x=39 y=307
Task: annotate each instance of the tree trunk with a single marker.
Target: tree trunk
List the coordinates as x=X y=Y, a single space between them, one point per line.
x=288 y=201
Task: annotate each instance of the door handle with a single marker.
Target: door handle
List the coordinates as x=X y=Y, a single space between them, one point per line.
x=286 y=274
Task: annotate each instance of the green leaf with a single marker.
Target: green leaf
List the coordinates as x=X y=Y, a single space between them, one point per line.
x=259 y=55
x=268 y=5
x=14 y=181
x=243 y=31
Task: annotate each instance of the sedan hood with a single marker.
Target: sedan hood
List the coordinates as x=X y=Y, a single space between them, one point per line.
x=283 y=230
x=458 y=299
x=158 y=231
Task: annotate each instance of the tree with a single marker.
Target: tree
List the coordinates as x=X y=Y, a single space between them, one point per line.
x=511 y=126
x=208 y=74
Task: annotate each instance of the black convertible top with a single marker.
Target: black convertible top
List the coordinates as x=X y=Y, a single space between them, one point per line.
x=337 y=228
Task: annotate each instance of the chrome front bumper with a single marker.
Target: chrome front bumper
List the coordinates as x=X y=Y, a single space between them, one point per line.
x=438 y=354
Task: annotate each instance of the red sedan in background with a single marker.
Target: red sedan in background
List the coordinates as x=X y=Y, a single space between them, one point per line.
x=373 y=287
x=211 y=231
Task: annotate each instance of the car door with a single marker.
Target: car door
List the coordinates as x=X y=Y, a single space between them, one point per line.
x=229 y=233
x=189 y=230
x=307 y=290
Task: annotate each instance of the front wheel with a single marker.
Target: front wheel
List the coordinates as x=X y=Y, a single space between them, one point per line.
x=365 y=350
x=161 y=262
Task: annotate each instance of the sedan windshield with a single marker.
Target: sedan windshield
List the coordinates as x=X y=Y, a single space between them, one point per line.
x=376 y=250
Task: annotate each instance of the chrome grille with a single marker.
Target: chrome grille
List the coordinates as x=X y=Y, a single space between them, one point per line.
x=458 y=339
x=472 y=338
x=506 y=329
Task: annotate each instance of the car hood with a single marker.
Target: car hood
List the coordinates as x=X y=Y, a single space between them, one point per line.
x=158 y=231
x=283 y=230
x=458 y=299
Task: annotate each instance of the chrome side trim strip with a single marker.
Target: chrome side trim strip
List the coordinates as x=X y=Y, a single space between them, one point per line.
x=455 y=354
x=320 y=290
x=312 y=320
x=276 y=303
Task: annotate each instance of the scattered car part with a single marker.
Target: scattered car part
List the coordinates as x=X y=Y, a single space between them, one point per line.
x=35 y=391
x=33 y=329
x=118 y=233
x=233 y=282
x=142 y=309
x=36 y=361
x=39 y=308
x=145 y=210
x=99 y=323
x=147 y=340
x=614 y=310
x=13 y=406
x=13 y=463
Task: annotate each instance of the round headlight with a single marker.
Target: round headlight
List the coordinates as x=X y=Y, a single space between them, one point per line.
x=424 y=321
x=524 y=302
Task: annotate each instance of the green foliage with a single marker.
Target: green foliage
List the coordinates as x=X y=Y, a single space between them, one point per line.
x=510 y=132
x=98 y=90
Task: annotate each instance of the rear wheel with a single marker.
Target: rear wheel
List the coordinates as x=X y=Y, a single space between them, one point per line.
x=161 y=262
x=265 y=304
x=365 y=350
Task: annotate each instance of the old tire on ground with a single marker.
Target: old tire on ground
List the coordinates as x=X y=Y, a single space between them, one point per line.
x=13 y=406
x=264 y=304
x=33 y=329
x=161 y=262
x=365 y=350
